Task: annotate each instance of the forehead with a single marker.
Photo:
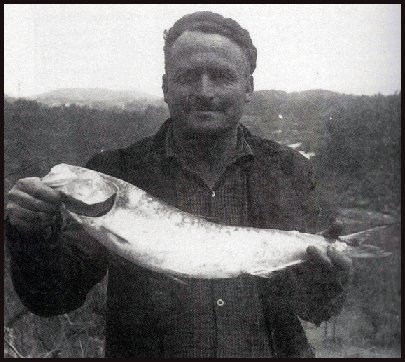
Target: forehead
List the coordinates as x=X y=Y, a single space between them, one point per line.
x=193 y=47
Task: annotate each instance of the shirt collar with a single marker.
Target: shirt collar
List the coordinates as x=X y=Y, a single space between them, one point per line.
x=243 y=150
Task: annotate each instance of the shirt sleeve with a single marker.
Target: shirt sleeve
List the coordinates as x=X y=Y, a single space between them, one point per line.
x=305 y=184
x=52 y=274
x=314 y=299
x=53 y=271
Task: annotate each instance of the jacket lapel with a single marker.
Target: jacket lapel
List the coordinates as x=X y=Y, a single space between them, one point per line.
x=264 y=190
x=277 y=198
x=151 y=171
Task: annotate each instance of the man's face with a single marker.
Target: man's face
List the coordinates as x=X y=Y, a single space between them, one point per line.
x=207 y=83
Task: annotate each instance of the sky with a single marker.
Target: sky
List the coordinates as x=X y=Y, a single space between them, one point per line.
x=352 y=49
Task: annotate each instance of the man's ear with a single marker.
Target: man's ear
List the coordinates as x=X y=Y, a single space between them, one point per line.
x=165 y=87
x=249 y=89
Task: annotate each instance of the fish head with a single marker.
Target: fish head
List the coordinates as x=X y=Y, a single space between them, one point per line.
x=83 y=191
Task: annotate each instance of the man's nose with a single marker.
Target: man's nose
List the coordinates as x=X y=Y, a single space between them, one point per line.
x=205 y=86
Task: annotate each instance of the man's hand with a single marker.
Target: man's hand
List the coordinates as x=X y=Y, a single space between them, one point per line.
x=334 y=262
x=335 y=267
x=338 y=264
x=33 y=206
x=320 y=282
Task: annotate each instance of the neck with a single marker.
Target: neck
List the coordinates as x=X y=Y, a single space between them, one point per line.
x=210 y=149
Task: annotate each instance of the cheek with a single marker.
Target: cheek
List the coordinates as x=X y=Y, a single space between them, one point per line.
x=177 y=95
x=234 y=99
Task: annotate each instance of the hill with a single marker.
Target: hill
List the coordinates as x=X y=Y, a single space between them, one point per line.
x=9 y=98
x=100 y=98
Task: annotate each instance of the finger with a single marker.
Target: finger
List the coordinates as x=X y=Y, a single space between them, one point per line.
x=316 y=256
x=339 y=260
x=29 y=215
x=36 y=188
x=27 y=201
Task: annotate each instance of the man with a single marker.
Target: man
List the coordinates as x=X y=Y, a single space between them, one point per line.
x=204 y=162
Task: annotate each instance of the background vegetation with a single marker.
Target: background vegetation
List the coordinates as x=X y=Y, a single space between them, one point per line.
x=355 y=142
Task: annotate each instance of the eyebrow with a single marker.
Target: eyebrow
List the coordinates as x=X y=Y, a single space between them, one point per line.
x=203 y=68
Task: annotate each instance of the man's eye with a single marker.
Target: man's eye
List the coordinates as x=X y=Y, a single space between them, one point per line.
x=186 y=78
x=215 y=76
x=223 y=77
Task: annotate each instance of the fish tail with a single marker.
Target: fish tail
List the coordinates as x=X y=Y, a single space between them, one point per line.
x=358 y=243
x=361 y=237
x=366 y=251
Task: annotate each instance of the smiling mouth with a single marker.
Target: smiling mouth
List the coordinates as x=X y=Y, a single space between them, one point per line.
x=205 y=114
x=205 y=111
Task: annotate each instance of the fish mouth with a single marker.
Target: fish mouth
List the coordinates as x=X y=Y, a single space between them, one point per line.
x=92 y=210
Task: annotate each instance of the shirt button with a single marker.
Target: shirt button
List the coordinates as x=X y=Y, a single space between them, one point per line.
x=220 y=302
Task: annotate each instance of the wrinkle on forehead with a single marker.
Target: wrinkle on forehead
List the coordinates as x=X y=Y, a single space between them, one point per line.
x=196 y=42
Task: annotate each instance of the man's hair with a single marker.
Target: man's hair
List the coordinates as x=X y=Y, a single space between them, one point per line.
x=212 y=23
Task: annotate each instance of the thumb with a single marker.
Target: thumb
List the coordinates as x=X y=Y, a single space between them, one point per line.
x=334 y=230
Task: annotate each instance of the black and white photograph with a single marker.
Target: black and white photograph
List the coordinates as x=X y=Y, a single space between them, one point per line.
x=202 y=181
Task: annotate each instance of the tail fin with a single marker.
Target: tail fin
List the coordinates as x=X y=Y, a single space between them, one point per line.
x=361 y=250
x=367 y=251
x=359 y=238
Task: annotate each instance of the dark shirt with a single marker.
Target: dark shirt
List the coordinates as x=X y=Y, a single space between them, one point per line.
x=227 y=201
x=225 y=317
x=151 y=315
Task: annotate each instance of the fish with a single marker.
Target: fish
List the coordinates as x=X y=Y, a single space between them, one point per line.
x=155 y=235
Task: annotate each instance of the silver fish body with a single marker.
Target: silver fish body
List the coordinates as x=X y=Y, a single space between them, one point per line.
x=157 y=236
